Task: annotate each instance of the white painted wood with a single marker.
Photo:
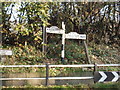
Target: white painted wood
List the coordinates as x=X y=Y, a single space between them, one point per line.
x=80 y=65
x=63 y=42
x=22 y=66
x=85 y=65
x=54 y=30
x=21 y=78
x=5 y=52
x=48 y=78
x=75 y=35
x=71 y=78
x=105 y=65
x=63 y=25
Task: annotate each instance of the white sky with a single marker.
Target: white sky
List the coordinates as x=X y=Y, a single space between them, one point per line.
x=15 y=13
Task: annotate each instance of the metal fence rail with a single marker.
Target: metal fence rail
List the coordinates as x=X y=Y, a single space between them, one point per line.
x=82 y=65
x=47 y=66
x=50 y=78
x=10 y=66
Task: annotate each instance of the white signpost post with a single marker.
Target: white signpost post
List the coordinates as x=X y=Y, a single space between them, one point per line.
x=63 y=44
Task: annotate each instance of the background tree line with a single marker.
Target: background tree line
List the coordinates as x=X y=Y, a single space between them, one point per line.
x=99 y=20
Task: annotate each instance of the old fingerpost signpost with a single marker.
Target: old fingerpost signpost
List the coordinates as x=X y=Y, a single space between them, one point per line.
x=75 y=35
x=71 y=35
x=55 y=30
x=106 y=76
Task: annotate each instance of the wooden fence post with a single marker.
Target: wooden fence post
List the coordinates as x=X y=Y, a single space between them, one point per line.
x=44 y=40
x=95 y=67
x=47 y=74
x=86 y=52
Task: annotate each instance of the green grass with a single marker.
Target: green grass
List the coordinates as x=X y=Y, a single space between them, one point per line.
x=97 y=86
x=108 y=85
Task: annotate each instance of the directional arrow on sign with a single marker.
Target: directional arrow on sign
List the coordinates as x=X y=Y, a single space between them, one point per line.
x=116 y=76
x=106 y=76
